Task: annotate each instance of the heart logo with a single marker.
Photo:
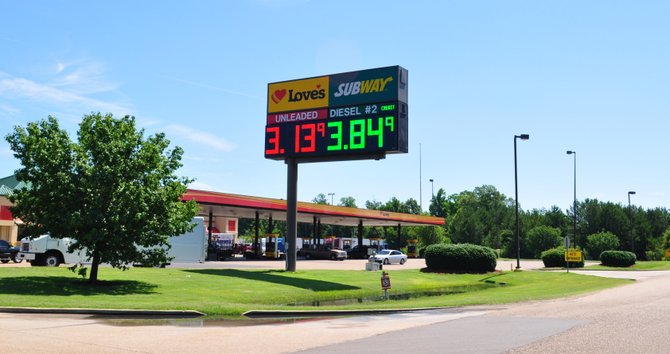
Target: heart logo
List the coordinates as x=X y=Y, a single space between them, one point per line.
x=278 y=95
x=318 y=86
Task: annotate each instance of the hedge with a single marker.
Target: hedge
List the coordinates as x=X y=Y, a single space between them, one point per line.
x=555 y=257
x=460 y=258
x=617 y=258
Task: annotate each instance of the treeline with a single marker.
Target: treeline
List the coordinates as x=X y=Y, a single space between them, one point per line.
x=484 y=216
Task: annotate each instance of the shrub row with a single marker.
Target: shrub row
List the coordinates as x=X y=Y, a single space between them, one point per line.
x=617 y=258
x=555 y=257
x=458 y=258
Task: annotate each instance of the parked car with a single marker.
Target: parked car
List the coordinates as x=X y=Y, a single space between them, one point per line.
x=360 y=251
x=8 y=252
x=389 y=257
x=322 y=252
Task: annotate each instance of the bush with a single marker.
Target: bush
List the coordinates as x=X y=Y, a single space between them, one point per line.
x=603 y=241
x=555 y=257
x=617 y=258
x=465 y=257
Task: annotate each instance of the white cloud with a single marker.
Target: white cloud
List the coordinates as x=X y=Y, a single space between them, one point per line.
x=201 y=158
x=82 y=77
x=207 y=86
x=202 y=186
x=36 y=92
x=201 y=137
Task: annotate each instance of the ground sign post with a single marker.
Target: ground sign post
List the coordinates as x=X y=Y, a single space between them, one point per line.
x=349 y=116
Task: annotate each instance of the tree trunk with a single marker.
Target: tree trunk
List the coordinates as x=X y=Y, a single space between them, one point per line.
x=93 y=278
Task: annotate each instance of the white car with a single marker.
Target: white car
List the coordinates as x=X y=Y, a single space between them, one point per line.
x=389 y=257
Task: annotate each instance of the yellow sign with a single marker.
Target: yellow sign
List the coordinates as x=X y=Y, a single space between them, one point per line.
x=667 y=253
x=298 y=94
x=573 y=256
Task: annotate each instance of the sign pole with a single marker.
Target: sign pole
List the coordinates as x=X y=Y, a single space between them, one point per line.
x=291 y=212
x=567 y=249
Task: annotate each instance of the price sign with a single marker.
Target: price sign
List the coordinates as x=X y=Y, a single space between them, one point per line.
x=346 y=131
x=338 y=117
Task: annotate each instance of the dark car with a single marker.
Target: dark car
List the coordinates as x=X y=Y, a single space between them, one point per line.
x=360 y=251
x=8 y=252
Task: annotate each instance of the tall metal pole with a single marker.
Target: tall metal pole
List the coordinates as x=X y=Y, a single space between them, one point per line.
x=574 y=200
x=516 y=199
x=291 y=212
x=630 y=218
x=420 y=182
x=432 y=190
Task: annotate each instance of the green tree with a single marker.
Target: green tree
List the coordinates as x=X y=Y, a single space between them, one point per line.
x=348 y=202
x=542 y=238
x=320 y=199
x=666 y=239
x=427 y=235
x=411 y=206
x=373 y=205
x=439 y=205
x=112 y=190
x=602 y=241
x=481 y=214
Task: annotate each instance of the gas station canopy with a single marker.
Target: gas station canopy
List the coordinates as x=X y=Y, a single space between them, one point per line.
x=242 y=206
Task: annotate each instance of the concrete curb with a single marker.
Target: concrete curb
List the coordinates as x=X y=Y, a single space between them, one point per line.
x=330 y=313
x=105 y=312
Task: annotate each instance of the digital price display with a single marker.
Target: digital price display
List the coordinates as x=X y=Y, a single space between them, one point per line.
x=352 y=115
x=354 y=132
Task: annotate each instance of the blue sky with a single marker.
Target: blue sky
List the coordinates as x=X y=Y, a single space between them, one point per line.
x=589 y=76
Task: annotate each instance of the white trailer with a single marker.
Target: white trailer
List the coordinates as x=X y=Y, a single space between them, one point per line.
x=47 y=251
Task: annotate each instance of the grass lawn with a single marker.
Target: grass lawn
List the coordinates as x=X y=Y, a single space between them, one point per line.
x=639 y=265
x=229 y=292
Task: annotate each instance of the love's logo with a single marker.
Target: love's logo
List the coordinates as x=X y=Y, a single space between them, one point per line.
x=278 y=95
x=298 y=95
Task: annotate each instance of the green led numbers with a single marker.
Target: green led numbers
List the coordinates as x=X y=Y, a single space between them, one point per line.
x=379 y=132
x=337 y=136
x=357 y=134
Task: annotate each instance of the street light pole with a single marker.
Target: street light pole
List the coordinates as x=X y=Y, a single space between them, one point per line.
x=331 y=197
x=432 y=191
x=516 y=199
x=574 y=203
x=630 y=220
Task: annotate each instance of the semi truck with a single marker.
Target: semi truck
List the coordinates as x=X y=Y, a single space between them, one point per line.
x=45 y=250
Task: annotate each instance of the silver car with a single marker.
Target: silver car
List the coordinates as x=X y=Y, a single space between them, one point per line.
x=389 y=257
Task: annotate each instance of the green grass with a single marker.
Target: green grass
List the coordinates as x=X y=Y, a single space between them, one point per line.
x=639 y=265
x=228 y=292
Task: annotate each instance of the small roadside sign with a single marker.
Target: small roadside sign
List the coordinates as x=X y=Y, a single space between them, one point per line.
x=667 y=253
x=573 y=256
x=566 y=241
x=386 y=281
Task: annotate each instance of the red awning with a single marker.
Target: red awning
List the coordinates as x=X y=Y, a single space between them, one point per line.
x=241 y=206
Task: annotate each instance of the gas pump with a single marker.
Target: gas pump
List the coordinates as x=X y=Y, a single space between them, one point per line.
x=411 y=248
x=271 y=246
x=274 y=247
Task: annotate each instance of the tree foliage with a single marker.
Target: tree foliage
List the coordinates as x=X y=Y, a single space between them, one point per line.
x=112 y=190
x=602 y=241
x=542 y=238
x=481 y=214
